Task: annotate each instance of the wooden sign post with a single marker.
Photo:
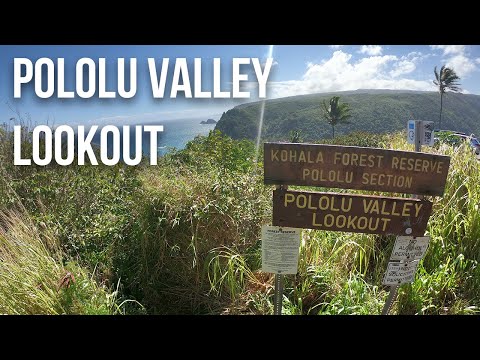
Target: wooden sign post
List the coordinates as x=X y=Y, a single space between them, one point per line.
x=349 y=167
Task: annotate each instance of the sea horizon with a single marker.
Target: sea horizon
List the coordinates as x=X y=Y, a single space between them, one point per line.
x=176 y=134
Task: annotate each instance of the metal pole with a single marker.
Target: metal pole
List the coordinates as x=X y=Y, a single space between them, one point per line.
x=418 y=136
x=277 y=309
x=278 y=298
x=394 y=288
x=391 y=298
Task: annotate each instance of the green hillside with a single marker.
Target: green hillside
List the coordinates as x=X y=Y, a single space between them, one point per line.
x=378 y=111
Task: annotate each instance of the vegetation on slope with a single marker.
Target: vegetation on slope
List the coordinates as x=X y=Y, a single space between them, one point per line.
x=375 y=111
x=184 y=238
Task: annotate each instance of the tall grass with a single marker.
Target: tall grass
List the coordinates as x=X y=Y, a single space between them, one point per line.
x=191 y=214
x=447 y=280
x=341 y=273
x=58 y=226
x=34 y=278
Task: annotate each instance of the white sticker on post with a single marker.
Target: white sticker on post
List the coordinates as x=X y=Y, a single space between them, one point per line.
x=427 y=133
x=280 y=248
x=408 y=248
x=400 y=273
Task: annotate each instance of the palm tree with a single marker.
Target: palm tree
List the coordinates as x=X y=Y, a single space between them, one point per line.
x=336 y=113
x=447 y=79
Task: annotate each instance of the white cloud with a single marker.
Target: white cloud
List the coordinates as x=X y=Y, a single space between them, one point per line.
x=416 y=56
x=407 y=63
x=457 y=58
x=403 y=67
x=461 y=64
x=449 y=49
x=335 y=47
x=371 y=50
x=340 y=73
x=477 y=60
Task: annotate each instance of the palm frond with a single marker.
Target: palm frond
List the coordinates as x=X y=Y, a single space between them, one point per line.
x=446 y=79
x=437 y=77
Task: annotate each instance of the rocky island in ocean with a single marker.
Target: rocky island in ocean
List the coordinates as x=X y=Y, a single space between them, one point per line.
x=209 y=121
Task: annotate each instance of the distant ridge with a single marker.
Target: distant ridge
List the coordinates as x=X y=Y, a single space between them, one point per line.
x=373 y=110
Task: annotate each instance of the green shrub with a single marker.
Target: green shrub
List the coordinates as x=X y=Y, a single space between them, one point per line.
x=184 y=237
x=205 y=197
x=359 y=138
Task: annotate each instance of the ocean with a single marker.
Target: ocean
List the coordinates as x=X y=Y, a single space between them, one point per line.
x=176 y=133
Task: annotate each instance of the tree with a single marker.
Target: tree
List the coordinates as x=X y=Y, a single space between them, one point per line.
x=336 y=113
x=447 y=79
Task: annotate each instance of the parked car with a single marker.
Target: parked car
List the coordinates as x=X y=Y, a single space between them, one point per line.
x=455 y=138
x=475 y=144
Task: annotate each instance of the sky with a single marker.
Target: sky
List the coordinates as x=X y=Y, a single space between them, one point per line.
x=296 y=70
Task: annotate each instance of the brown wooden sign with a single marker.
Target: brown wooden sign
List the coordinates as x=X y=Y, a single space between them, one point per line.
x=349 y=167
x=350 y=213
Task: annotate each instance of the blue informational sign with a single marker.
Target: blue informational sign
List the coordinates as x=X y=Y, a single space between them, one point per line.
x=411 y=132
